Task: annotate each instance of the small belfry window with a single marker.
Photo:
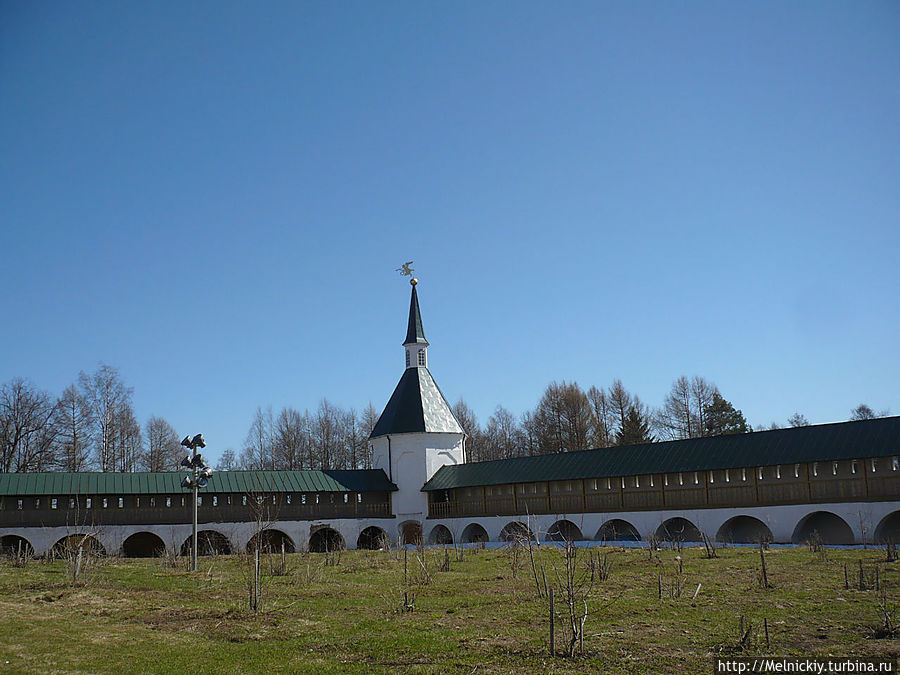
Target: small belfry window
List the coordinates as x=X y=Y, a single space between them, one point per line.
x=105 y=503
x=152 y=502
x=407 y=358
x=681 y=479
x=71 y=502
x=215 y=500
x=759 y=473
x=421 y=357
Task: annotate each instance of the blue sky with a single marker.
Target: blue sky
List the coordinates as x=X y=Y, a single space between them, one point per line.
x=213 y=197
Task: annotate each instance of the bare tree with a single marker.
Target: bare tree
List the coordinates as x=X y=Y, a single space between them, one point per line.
x=864 y=412
x=163 y=450
x=71 y=422
x=108 y=402
x=228 y=461
x=128 y=440
x=291 y=440
x=620 y=401
x=26 y=431
x=686 y=408
x=603 y=419
x=257 y=453
x=798 y=420
x=475 y=441
x=562 y=418
x=326 y=435
x=503 y=436
x=367 y=422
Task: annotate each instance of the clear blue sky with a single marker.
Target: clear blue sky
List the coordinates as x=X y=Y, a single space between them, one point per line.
x=213 y=197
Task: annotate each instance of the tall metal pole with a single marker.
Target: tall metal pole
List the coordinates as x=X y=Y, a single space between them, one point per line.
x=195 y=489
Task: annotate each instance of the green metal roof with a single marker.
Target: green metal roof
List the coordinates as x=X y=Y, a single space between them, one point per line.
x=825 y=442
x=372 y=480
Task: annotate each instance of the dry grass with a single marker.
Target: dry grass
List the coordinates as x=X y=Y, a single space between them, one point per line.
x=140 y=616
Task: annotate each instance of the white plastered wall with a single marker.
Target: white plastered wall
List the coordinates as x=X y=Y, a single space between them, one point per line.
x=410 y=460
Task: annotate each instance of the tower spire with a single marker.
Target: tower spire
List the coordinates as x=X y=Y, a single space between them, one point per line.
x=415 y=334
x=415 y=345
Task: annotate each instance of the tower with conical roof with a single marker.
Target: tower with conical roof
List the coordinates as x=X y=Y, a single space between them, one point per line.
x=417 y=432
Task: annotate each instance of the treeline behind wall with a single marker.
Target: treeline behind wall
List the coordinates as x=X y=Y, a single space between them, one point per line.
x=92 y=426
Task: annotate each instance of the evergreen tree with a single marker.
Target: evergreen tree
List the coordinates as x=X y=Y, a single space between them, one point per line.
x=635 y=429
x=723 y=418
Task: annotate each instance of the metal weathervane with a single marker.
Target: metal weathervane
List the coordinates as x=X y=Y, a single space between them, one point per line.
x=406 y=269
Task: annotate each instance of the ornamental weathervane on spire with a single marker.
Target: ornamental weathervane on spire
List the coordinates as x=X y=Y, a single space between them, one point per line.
x=406 y=270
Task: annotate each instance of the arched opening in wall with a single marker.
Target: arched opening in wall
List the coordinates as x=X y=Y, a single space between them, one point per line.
x=474 y=534
x=678 y=529
x=564 y=530
x=270 y=541
x=326 y=539
x=617 y=530
x=69 y=545
x=516 y=531
x=143 y=545
x=440 y=535
x=14 y=545
x=411 y=532
x=888 y=530
x=824 y=525
x=744 y=530
x=209 y=542
x=372 y=539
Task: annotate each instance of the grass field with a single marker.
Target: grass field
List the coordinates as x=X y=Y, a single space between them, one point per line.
x=484 y=614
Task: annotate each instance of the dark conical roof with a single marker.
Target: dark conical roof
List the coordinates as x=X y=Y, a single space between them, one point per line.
x=414 y=331
x=417 y=405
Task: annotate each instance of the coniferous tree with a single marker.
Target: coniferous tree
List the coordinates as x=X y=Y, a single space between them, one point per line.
x=635 y=430
x=722 y=418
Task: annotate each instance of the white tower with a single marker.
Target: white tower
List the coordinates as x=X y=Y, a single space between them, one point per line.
x=417 y=433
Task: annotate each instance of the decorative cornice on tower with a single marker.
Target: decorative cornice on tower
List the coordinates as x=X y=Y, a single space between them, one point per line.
x=415 y=334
